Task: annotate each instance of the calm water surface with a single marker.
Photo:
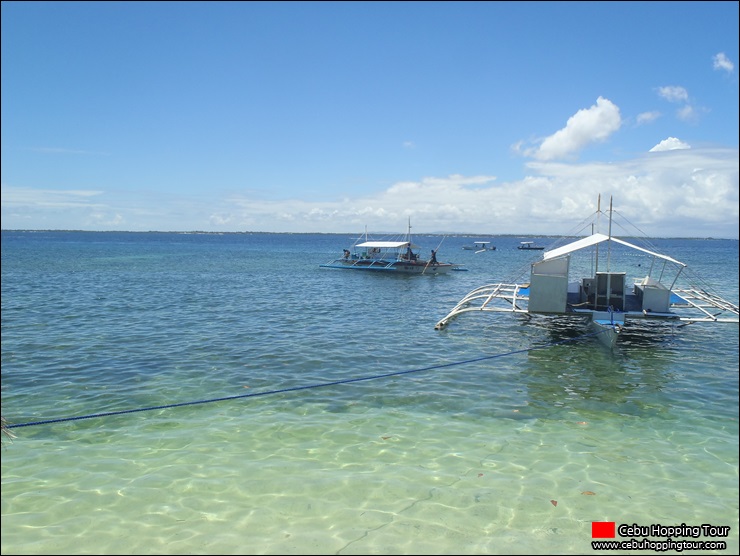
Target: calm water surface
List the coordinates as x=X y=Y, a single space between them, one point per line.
x=490 y=437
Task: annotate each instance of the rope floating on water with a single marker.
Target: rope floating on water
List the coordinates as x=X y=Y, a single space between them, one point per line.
x=297 y=388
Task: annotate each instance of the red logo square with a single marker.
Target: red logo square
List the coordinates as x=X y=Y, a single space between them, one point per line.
x=603 y=529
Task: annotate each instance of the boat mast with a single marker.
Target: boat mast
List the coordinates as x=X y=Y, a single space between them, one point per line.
x=593 y=270
x=608 y=259
x=598 y=229
x=609 y=242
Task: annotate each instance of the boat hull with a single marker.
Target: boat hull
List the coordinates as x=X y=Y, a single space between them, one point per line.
x=395 y=267
x=607 y=325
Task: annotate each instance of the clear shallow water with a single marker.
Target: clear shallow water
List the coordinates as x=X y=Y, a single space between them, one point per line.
x=463 y=453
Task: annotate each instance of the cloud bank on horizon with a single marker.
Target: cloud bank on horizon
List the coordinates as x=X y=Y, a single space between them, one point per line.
x=669 y=188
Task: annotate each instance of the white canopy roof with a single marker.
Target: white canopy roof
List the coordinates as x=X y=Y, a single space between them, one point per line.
x=596 y=239
x=387 y=244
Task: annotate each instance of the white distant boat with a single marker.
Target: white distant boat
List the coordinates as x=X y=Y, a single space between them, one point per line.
x=398 y=256
x=529 y=246
x=480 y=246
x=605 y=298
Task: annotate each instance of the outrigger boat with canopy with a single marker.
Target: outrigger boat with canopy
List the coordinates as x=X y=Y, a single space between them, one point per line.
x=605 y=298
x=529 y=246
x=396 y=256
x=480 y=246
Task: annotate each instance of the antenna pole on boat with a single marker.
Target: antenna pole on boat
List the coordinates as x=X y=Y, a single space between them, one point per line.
x=608 y=259
x=598 y=229
x=593 y=270
x=609 y=242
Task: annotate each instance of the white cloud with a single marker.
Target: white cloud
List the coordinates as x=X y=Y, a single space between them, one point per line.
x=647 y=117
x=672 y=190
x=103 y=220
x=40 y=198
x=722 y=62
x=670 y=144
x=676 y=94
x=673 y=93
x=677 y=192
x=687 y=113
x=587 y=126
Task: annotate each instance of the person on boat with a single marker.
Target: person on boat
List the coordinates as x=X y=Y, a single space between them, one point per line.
x=410 y=254
x=433 y=260
x=346 y=253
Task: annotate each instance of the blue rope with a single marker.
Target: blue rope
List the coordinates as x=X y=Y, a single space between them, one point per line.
x=294 y=388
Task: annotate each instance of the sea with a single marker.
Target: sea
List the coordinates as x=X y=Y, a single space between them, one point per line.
x=202 y=393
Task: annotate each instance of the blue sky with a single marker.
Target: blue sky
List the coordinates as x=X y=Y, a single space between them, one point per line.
x=480 y=117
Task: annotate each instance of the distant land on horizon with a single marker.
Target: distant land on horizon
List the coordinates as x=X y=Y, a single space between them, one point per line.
x=446 y=234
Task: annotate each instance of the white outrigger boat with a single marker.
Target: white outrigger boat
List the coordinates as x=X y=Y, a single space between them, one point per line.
x=480 y=246
x=390 y=256
x=604 y=298
x=530 y=246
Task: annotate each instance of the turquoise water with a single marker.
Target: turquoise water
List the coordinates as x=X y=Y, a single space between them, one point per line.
x=490 y=437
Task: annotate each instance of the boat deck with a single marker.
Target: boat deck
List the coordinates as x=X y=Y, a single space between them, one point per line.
x=632 y=303
x=687 y=305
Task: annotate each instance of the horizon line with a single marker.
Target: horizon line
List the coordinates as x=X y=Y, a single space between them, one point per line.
x=458 y=234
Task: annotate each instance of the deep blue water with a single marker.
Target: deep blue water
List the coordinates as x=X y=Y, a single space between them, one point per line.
x=457 y=442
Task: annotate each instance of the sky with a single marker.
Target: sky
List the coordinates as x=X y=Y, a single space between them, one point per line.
x=336 y=117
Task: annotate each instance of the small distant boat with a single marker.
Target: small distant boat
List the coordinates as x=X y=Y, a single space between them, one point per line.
x=480 y=246
x=390 y=256
x=608 y=300
x=530 y=246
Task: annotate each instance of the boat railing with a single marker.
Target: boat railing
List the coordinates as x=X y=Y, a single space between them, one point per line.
x=703 y=301
x=492 y=297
